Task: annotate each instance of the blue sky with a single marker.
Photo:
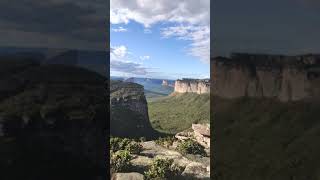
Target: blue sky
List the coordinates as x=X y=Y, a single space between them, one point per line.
x=153 y=40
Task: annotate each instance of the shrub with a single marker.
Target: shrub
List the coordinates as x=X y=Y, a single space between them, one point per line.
x=134 y=147
x=117 y=144
x=191 y=147
x=163 y=169
x=120 y=161
x=166 y=141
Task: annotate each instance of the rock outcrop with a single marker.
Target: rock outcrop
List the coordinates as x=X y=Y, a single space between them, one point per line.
x=201 y=133
x=127 y=176
x=129 y=110
x=286 y=78
x=199 y=86
x=195 y=167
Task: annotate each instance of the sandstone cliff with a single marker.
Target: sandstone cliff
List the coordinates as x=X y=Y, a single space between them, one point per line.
x=199 y=86
x=287 y=78
x=129 y=110
x=51 y=113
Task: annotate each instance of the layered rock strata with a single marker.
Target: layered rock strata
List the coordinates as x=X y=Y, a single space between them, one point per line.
x=287 y=78
x=199 y=86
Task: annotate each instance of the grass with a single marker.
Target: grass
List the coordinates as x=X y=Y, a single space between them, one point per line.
x=176 y=113
x=274 y=140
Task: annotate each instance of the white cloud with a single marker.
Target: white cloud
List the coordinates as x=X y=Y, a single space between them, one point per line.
x=191 y=19
x=198 y=35
x=119 y=29
x=118 y=52
x=128 y=67
x=148 y=12
x=143 y=58
x=122 y=61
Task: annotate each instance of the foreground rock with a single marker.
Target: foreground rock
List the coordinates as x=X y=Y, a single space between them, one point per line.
x=200 y=133
x=195 y=167
x=127 y=176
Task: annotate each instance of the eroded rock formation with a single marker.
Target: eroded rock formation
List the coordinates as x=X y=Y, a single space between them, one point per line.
x=287 y=78
x=199 y=86
x=201 y=133
x=129 y=110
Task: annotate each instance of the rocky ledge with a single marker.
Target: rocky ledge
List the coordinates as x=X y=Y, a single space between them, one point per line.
x=194 y=166
x=200 y=133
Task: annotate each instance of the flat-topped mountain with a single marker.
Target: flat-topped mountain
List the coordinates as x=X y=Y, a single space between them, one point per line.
x=199 y=86
x=286 y=78
x=129 y=110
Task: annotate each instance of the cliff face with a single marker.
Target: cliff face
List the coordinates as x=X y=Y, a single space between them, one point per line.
x=287 y=78
x=129 y=110
x=192 y=86
x=51 y=113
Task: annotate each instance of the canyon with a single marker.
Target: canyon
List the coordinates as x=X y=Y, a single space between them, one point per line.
x=199 y=86
x=285 y=78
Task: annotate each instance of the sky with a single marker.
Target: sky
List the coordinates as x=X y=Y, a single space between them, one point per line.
x=160 y=39
x=288 y=27
x=72 y=24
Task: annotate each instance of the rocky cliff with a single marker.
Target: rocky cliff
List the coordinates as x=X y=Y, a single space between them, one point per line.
x=199 y=86
x=52 y=119
x=129 y=110
x=287 y=78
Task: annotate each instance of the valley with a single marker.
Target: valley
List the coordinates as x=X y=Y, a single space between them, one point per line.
x=152 y=126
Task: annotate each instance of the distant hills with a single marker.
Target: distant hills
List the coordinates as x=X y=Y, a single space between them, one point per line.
x=91 y=60
x=153 y=87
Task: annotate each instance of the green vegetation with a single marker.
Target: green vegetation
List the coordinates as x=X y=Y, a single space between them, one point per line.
x=117 y=144
x=191 y=147
x=120 y=161
x=165 y=141
x=163 y=169
x=39 y=105
x=177 y=113
x=274 y=140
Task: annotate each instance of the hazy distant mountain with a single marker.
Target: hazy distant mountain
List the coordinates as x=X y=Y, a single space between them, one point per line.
x=91 y=60
x=152 y=87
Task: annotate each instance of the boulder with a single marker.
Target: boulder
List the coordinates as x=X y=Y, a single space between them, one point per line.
x=184 y=135
x=127 y=176
x=203 y=140
x=196 y=170
x=203 y=129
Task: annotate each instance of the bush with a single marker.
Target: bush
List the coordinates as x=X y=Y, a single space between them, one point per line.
x=191 y=147
x=117 y=144
x=134 y=147
x=166 y=141
x=163 y=169
x=120 y=161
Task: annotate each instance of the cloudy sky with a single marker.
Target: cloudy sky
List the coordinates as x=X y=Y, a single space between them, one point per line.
x=75 y=24
x=160 y=39
x=269 y=26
